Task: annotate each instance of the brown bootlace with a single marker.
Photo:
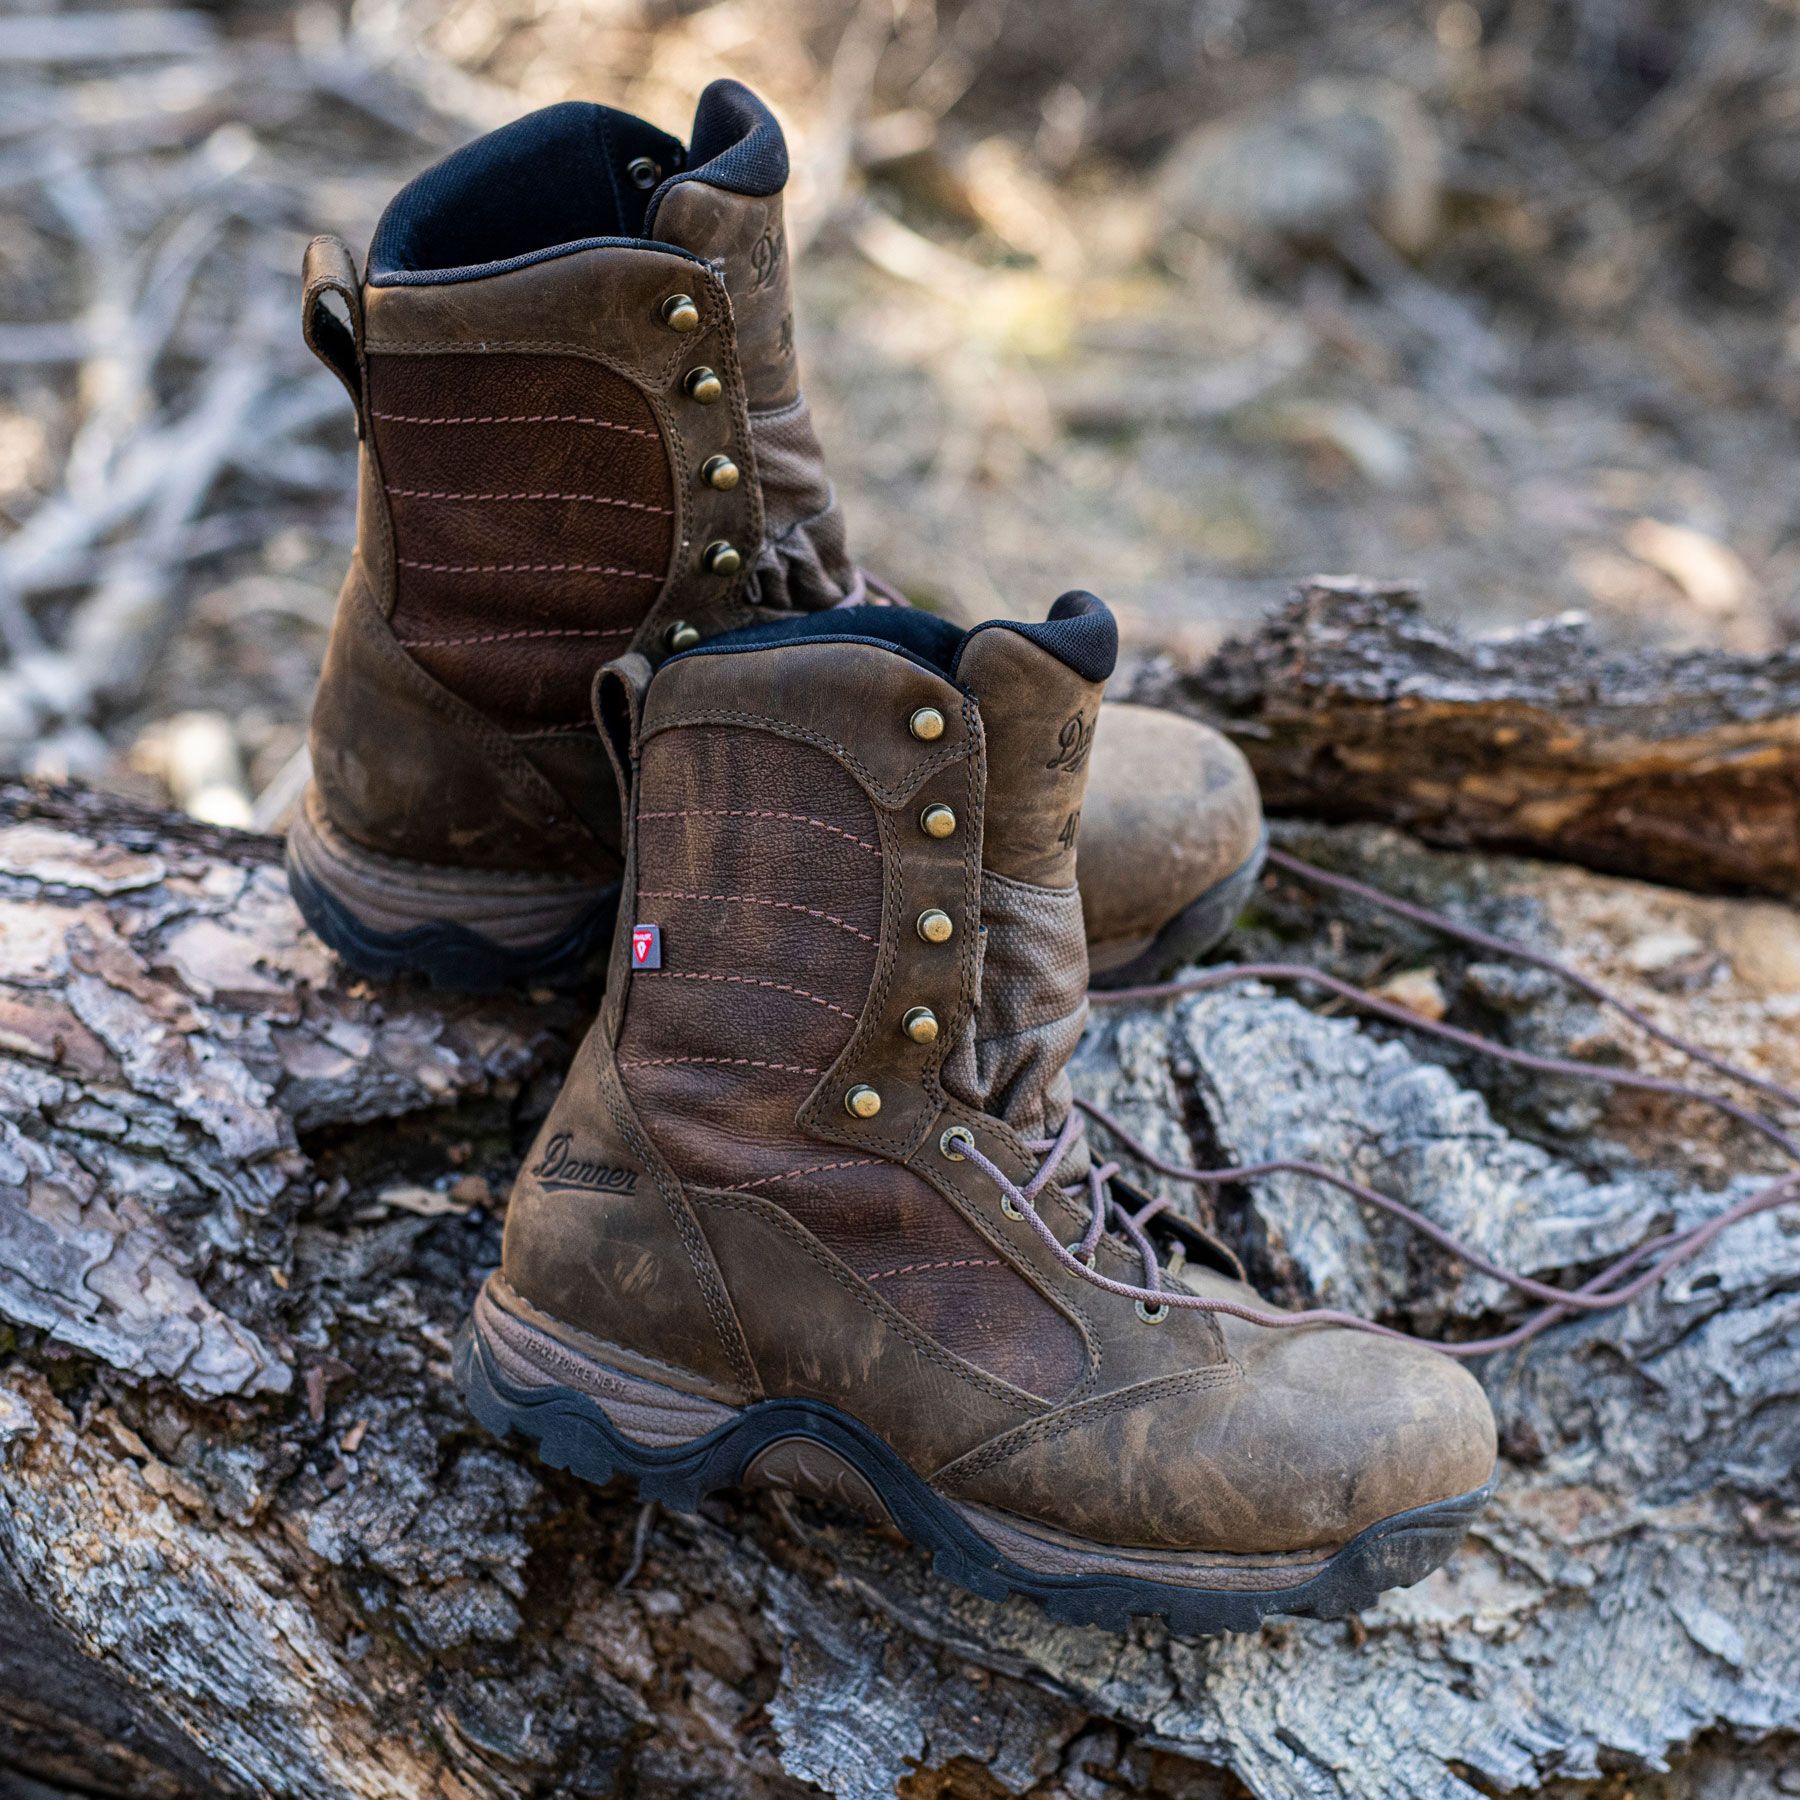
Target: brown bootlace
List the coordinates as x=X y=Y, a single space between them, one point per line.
x=1615 y=1286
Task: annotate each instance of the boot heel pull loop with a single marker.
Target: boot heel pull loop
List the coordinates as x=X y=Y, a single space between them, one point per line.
x=329 y=268
x=618 y=702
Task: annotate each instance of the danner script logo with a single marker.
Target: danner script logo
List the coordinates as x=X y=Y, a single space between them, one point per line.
x=1074 y=742
x=562 y=1172
x=765 y=259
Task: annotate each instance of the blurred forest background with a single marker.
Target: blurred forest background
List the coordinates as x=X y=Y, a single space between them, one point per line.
x=1177 y=299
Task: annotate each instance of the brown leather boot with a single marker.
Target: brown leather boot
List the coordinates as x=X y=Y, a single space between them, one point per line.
x=582 y=431
x=778 y=1228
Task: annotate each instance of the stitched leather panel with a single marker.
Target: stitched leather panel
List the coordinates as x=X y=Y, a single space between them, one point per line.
x=533 y=521
x=760 y=859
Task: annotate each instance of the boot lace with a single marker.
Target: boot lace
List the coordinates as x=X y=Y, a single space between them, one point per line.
x=1617 y=1285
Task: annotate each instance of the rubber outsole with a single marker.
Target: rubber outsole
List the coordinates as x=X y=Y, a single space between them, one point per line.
x=572 y=1432
x=1199 y=927
x=449 y=955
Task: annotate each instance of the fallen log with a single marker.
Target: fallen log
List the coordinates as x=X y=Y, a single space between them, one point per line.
x=1352 y=704
x=253 y=1545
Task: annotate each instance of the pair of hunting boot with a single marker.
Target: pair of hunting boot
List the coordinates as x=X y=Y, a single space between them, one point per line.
x=813 y=1210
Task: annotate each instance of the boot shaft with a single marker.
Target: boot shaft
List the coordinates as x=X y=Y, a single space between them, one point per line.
x=837 y=978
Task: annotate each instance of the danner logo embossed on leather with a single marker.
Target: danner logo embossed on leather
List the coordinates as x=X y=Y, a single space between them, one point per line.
x=1074 y=742
x=765 y=259
x=564 y=1172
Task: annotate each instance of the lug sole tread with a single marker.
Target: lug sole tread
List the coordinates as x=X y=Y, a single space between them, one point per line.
x=570 y=1431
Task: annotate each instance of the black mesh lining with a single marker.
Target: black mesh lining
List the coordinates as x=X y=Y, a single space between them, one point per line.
x=737 y=146
x=1080 y=633
x=549 y=183
x=922 y=636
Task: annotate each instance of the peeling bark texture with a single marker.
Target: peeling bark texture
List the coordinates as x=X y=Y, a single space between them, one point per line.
x=1352 y=705
x=252 y=1545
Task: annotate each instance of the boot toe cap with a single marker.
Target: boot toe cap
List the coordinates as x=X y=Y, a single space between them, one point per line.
x=1172 y=811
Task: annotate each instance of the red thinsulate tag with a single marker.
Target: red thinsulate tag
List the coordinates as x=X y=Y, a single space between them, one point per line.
x=646 y=946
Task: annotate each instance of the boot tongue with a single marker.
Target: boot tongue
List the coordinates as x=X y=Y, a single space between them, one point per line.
x=1038 y=688
x=726 y=207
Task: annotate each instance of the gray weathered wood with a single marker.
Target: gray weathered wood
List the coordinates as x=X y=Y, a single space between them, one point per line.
x=252 y=1545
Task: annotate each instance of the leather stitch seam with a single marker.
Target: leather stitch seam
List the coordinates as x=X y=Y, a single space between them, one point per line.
x=888 y=795
x=958 y=1262
x=723 y=1062
x=431 y=568
x=454 y=710
x=507 y=419
x=642 y=506
x=779 y=987
x=744 y=812
x=861 y=1162
x=500 y=637
x=694 y=1240
x=855 y=1287
x=755 y=900
x=1069 y=1418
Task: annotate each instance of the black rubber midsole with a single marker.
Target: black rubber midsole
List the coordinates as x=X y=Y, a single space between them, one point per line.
x=573 y=1432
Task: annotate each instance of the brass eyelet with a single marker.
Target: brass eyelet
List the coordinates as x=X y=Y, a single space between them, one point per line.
x=935 y=925
x=1149 y=1317
x=704 y=385
x=938 y=821
x=643 y=173
x=722 y=558
x=682 y=636
x=1074 y=1250
x=927 y=724
x=862 y=1101
x=719 y=472
x=920 y=1024
x=957 y=1134
x=680 y=313
x=1007 y=1207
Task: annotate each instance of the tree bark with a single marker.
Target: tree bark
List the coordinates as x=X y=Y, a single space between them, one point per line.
x=1350 y=704
x=253 y=1545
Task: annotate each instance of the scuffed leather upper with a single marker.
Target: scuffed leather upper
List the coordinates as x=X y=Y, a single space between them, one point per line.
x=773 y=1243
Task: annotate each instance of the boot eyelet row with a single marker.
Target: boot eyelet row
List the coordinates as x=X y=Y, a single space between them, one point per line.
x=1149 y=1317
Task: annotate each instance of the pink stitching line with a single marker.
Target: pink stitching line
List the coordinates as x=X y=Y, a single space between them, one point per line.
x=747 y=812
x=961 y=1262
x=529 y=569
x=861 y=1162
x=642 y=506
x=734 y=1062
x=780 y=987
x=755 y=900
x=506 y=637
x=520 y=419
